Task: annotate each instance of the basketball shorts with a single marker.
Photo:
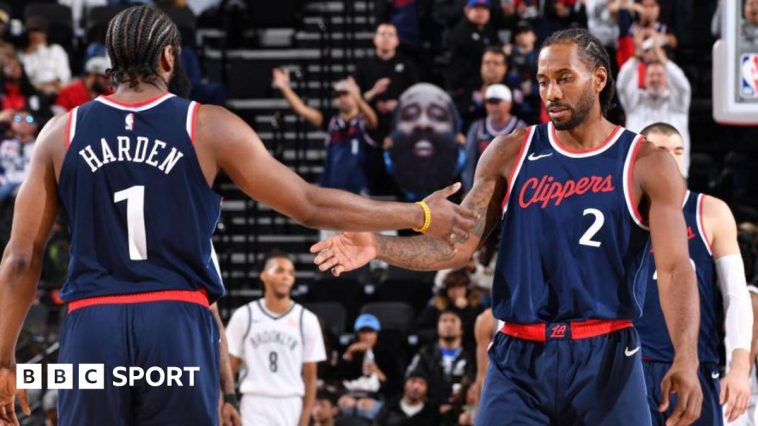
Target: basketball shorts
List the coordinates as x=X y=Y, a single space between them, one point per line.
x=160 y=333
x=587 y=373
x=259 y=410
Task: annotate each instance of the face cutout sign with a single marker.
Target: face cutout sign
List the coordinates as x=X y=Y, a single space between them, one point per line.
x=424 y=152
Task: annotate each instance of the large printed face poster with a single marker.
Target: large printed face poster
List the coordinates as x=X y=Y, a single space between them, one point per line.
x=424 y=152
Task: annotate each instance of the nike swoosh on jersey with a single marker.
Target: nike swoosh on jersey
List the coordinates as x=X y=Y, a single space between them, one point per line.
x=533 y=157
x=627 y=352
x=715 y=375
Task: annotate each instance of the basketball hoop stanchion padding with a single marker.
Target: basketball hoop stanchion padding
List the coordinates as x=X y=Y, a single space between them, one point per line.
x=735 y=72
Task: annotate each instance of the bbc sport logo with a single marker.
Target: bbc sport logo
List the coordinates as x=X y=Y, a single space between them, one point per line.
x=92 y=376
x=749 y=75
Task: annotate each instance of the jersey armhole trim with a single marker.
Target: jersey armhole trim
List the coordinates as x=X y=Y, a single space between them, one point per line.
x=192 y=120
x=631 y=157
x=525 y=143
x=302 y=333
x=71 y=127
x=700 y=225
x=249 y=325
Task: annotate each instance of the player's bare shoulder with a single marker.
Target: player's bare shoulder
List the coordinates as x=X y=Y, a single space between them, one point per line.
x=718 y=220
x=653 y=166
x=51 y=142
x=501 y=155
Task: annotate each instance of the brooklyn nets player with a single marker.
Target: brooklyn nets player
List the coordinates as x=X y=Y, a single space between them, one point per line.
x=275 y=344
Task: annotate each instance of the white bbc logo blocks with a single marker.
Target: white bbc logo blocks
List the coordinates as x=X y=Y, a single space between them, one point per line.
x=91 y=376
x=60 y=376
x=29 y=376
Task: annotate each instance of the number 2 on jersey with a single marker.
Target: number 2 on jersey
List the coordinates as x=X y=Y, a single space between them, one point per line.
x=586 y=239
x=135 y=220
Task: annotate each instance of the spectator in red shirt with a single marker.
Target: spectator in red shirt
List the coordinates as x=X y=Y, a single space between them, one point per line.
x=92 y=84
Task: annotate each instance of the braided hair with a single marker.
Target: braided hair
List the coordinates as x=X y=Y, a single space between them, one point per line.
x=135 y=39
x=592 y=52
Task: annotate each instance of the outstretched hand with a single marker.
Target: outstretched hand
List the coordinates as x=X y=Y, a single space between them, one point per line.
x=450 y=222
x=345 y=252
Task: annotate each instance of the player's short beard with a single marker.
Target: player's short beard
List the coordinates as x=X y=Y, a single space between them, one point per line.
x=422 y=175
x=580 y=113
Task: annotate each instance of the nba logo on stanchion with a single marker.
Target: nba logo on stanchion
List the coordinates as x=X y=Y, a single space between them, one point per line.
x=749 y=75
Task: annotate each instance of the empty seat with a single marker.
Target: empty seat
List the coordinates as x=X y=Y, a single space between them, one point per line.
x=332 y=313
x=392 y=315
x=414 y=292
x=347 y=292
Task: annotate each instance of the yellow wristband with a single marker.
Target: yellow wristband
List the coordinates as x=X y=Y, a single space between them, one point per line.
x=427 y=217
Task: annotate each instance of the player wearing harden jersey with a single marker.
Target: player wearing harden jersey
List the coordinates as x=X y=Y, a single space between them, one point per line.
x=573 y=196
x=724 y=298
x=133 y=173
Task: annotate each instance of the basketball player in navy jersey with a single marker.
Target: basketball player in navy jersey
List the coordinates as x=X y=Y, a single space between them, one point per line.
x=575 y=197
x=724 y=299
x=133 y=174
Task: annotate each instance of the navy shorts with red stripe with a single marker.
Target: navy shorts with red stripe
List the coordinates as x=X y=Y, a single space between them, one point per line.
x=565 y=380
x=710 y=413
x=163 y=333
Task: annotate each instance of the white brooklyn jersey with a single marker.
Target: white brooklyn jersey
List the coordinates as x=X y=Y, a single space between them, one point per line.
x=273 y=348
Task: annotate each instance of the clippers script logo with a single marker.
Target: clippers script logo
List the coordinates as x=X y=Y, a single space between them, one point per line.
x=129 y=120
x=546 y=190
x=749 y=76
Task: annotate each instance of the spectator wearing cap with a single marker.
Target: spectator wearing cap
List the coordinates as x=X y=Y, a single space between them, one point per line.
x=413 y=407
x=368 y=370
x=348 y=143
x=664 y=95
x=522 y=72
x=499 y=121
x=46 y=64
x=18 y=94
x=469 y=97
x=467 y=42
x=16 y=153
x=456 y=295
x=445 y=362
x=92 y=84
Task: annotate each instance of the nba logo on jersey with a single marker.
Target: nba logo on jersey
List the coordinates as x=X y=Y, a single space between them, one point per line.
x=129 y=120
x=749 y=75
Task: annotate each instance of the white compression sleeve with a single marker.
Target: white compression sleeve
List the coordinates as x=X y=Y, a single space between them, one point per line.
x=738 y=308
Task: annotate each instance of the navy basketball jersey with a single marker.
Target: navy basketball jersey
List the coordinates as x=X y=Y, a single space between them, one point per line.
x=656 y=343
x=571 y=234
x=140 y=210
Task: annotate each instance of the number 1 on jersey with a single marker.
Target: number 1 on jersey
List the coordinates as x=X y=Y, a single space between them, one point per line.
x=135 y=220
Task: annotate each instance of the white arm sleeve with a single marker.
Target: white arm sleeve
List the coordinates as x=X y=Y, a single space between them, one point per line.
x=626 y=85
x=235 y=331
x=313 y=340
x=681 y=91
x=738 y=308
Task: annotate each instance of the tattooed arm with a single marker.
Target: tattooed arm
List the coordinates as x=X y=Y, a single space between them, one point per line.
x=349 y=251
